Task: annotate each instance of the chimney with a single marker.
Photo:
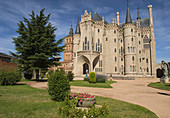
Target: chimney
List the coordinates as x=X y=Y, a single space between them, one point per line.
x=150 y=15
x=118 y=18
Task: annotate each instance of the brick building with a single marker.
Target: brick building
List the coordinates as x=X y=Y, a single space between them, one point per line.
x=5 y=63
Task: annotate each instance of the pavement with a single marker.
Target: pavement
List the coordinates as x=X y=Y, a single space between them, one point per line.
x=132 y=91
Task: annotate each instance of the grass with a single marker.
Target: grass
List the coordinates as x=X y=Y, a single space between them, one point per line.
x=87 y=84
x=164 y=86
x=21 y=101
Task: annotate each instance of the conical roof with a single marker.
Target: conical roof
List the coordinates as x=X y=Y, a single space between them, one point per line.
x=71 y=31
x=78 y=27
x=128 y=17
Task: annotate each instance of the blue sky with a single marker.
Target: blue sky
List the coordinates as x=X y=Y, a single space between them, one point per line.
x=65 y=12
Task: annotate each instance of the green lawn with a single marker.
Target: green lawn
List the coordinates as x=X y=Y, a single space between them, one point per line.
x=87 y=84
x=165 y=86
x=22 y=101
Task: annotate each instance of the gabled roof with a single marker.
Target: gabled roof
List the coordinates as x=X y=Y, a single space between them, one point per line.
x=97 y=17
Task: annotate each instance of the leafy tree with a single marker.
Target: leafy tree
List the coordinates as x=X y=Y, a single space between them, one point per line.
x=36 y=46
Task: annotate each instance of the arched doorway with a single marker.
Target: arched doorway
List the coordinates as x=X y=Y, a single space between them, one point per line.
x=85 y=67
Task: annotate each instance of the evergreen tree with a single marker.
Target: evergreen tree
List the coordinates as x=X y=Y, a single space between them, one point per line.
x=36 y=46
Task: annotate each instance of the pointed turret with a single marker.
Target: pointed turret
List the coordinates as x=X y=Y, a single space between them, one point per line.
x=71 y=31
x=78 y=27
x=128 y=17
x=138 y=17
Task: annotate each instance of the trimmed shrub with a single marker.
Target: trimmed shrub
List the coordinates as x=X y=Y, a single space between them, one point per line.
x=70 y=75
x=92 y=77
x=58 y=86
x=85 y=79
x=101 y=78
x=9 y=78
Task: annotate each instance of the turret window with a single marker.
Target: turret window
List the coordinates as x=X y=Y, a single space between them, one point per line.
x=115 y=59
x=85 y=40
x=114 y=31
x=98 y=30
x=146 y=60
x=131 y=30
x=133 y=58
x=115 y=40
x=115 y=69
x=115 y=49
x=106 y=39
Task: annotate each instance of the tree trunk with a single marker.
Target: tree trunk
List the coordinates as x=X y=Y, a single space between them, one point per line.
x=37 y=74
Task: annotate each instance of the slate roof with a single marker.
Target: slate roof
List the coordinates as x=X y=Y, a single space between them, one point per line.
x=78 y=28
x=97 y=17
x=143 y=22
x=128 y=17
x=5 y=55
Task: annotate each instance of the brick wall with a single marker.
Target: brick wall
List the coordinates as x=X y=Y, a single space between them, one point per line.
x=8 y=66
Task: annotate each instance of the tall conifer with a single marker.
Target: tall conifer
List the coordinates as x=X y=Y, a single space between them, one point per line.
x=35 y=44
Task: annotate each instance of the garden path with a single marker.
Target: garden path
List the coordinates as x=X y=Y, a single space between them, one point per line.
x=132 y=91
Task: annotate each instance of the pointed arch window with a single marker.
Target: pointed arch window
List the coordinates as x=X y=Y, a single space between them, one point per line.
x=115 y=59
x=98 y=42
x=85 y=40
x=130 y=68
x=100 y=47
x=121 y=49
x=133 y=58
x=88 y=45
x=128 y=49
x=83 y=45
x=96 y=46
x=115 y=69
x=92 y=43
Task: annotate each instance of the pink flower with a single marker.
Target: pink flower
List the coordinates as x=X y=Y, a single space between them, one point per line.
x=81 y=93
x=80 y=100
x=74 y=95
x=81 y=96
x=85 y=96
x=92 y=96
x=70 y=97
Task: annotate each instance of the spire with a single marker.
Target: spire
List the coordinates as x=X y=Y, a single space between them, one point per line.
x=138 y=17
x=128 y=17
x=71 y=31
x=77 y=27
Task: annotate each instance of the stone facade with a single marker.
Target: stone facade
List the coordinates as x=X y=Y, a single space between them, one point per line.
x=117 y=49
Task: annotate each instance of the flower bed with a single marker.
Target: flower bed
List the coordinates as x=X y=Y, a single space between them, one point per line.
x=83 y=99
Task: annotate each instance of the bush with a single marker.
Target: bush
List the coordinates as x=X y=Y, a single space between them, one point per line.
x=9 y=78
x=101 y=78
x=92 y=77
x=58 y=86
x=85 y=79
x=42 y=75
x=70 y=75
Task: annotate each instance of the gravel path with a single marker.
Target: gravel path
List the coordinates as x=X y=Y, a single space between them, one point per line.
x=132 y=91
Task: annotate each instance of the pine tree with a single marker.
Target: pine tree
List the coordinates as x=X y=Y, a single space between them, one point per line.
x=36 y=45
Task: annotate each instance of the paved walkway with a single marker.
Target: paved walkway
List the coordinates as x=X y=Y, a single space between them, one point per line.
x=132 y=91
